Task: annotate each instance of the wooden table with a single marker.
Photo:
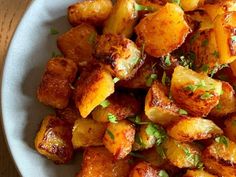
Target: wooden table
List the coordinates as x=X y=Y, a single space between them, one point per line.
x=11 y=12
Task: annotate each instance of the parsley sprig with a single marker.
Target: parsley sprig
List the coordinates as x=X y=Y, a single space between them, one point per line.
x=112 y=118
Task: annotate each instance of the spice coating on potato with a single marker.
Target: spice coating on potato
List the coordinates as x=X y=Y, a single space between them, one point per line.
x=119 y=54
x=230 y=127
x=94 y=12
x=198 y=173
x=77 y=44
x=55 y=87
x=155 y=29
x=53 y=140
x=119 y=105
x=143 y=169
x=119 y=138
x=93 y=87
x=98 y=161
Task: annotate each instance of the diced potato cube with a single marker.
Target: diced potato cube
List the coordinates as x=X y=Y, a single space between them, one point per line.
x=198 y=173
x=230 y=127
x=220 y=158
x=53 y=140
x=119 y=54
x=191 y=129
x=94 y=86
x=191 y=5
x=143 y=169
x=119 y=138
x=94 y=12
x=122 y=19
x=158 y=107
x=87 y=132
x=118 y=105
x=182 y=155
x=98 y=161
x=77 y=44
x=227 y=103
x=55 y=87
x=152 y=30
x=195 y=92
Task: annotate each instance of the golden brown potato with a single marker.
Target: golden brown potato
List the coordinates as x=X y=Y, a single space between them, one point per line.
x=119 y=54
x=94 y=12
x=158 y=107
x=119 y=106
x=230 y=127
x=224 y=26
x=227 y=103
x=191 y=129
x=152 y=30
x=98 y=161
x=94 y=86
x=55 y=87
x=119 y=138
x=122 y=19
x=143 y=169
x=190 y=5
x=233 y=67
x=77 y=44
x=152 y=5
x=195 y=92
x=87 y=132
x=220 y=157
x=198 y=173
x=182 y=155
x=53 y=140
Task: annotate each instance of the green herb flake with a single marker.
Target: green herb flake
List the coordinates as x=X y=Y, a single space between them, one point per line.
x=204 y=68
x=156 y=131
x=54 y=54
x=205 y=43
x=116 y=79
x=233 y=38
x=92 y=38
x=105 y=103
x=161 y=151
x=54 y=31
x=162 y=173
x=137 y=120
x=112 y=118
x=150 y=79
x=219 y=106
x=222 y=140
x=139 y=7
x=110 y=134
x=206 y=95
x=137 y=155
x=183 y=112
x=165 y=79
x=194 y=37
x=167 y=60
x=216 y=54
x=139 y=140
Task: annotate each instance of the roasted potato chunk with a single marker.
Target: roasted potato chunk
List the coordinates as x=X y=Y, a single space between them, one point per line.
x=119 y=138
x=220 y=157
x=191 y=129
x=98 y=161
x=191 y=5
x=198 y=173
x=119 y=55
x=122 y=19
x=53 y=140
x=143 y=169
x=119 y=105
x=55 y=87
x=158 y=107
x=152 y=30
x=93 y=87
x=77 y=44
x=230 y=127
x=94 y=12
x=227 y=103
x=195 y=92
x=182 y=155
x=87 y=132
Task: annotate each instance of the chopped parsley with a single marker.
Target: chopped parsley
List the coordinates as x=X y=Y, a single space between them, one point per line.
x=54 y=31
x=218 y=67
x=233 y=38
x=183 y=112
x=156 y=131
x=205 y=43
x=162 y=173
x=139 y=140
x=116 y=79
x=206 y=96
x=165 y=79
x=222 y=140
x=137 y=120
x=137 y=155
x=112 y=118
x=194 y=37
x=161 y=151
x=139 y=7
x=167 y=60
x=150 y=79
x=193 y=88
x=92 y=38
x=219 y=106
x=105 y=103
x=110 y=134
x=204 y=68
x=216 y=54
x=188 y=60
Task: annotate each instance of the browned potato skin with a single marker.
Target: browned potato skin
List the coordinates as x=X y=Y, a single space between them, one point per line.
x=230 y=127
x=98 y=161
x=143 y=169
x=220 y=160
x=87 y=132
x=119 y=55
x=158 y=107
x=227 y=103
x=121 y=106
x=123 y=133
x=157 y=40
x=55 y=87
x=198 y=173
x=94 y=12
x=191 y=129
x=94 y=86
x=77 y=44
x=53 y=140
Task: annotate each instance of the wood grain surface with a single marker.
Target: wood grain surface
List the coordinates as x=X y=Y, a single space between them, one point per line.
x=11 y=12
